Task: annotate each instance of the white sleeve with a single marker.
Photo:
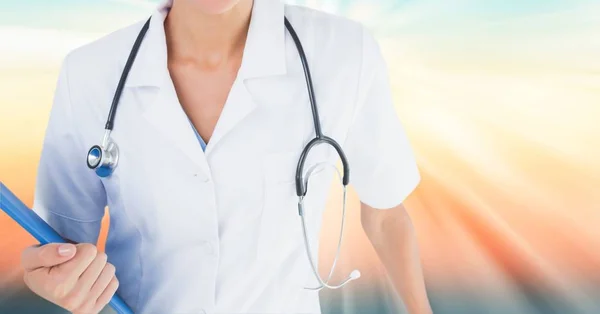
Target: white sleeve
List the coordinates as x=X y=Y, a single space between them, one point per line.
x=383 y=169
x=68 y=195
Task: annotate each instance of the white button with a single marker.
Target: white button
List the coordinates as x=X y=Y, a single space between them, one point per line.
x=202 y=178
x=208 y=248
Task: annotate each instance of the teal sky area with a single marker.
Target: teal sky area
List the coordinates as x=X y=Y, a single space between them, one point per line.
x=97 y=15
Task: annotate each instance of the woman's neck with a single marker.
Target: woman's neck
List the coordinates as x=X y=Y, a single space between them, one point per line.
x=209 y=40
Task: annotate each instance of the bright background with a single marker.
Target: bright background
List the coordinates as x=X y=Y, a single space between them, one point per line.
x=500 y=98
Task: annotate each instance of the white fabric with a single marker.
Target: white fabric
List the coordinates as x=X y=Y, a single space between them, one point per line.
x=219 y=232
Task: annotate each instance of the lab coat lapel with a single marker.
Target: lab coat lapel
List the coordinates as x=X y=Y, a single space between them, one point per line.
x=166 y=115
x=264 y=56
x=239 y=104
x=157 y=97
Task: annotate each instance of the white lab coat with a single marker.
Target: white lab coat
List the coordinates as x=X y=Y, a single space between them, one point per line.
x=218 y=231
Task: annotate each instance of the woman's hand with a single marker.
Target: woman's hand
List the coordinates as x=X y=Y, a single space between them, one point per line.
x=74 y=276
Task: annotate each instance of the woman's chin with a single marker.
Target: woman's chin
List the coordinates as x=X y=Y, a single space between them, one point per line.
x=213 y=7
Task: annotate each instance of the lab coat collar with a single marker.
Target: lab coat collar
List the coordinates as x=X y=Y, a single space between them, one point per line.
x=264 y=52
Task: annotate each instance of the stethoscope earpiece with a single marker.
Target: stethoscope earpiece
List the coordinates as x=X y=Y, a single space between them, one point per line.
x=103 y=158
x=324 y=283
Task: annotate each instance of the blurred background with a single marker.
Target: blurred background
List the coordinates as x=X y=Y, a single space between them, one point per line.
x=501 y=101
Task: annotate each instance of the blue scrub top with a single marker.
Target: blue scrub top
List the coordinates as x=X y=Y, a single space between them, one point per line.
x=202 y=144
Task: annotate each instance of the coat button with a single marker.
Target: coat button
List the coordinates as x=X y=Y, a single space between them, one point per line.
x=208 y=248
x=202 y=178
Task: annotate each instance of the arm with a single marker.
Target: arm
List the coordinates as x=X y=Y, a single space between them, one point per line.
x=393 y=236
x=383 y=173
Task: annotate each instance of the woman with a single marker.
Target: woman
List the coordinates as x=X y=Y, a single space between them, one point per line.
x=212 y=119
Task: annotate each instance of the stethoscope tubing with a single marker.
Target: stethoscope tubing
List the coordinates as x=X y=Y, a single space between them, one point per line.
x=103 y=159
x=110 y=120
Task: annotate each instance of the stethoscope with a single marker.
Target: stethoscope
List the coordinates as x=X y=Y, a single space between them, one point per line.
x=103 y=158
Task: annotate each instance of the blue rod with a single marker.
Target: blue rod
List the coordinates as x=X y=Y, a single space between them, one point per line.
x=40 y=230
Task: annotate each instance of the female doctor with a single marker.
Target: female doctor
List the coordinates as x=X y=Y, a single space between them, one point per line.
x=199 y=164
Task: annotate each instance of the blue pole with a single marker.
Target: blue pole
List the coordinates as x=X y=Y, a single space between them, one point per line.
x=40 y=230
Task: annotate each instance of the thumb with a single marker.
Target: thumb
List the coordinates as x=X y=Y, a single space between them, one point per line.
x=47 y=255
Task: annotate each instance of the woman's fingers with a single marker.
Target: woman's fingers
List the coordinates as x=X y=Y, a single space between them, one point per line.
x=98 y=280
x=75 y=277
x=92 y=273
x=48 y=255
x=107 y=275
x=106 y=295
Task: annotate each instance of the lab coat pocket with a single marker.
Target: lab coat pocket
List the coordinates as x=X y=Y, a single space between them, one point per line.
x=280 y=234
x=280 y=224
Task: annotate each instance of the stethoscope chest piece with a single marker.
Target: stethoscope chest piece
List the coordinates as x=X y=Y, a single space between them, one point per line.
x=103 y=159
